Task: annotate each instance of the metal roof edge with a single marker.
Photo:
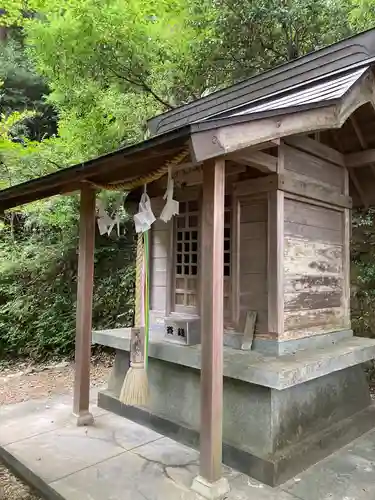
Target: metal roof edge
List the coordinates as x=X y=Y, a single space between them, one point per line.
x=300 y=86
x=233 y=120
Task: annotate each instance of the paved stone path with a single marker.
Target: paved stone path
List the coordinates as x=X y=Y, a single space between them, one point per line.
x=120 y=460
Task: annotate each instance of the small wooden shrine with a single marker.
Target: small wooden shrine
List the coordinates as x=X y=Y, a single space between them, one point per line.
x=251 y=350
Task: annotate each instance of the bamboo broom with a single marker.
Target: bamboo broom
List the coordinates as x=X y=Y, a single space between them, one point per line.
x=135 y=390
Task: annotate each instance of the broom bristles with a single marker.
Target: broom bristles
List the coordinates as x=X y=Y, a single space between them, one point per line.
x=135 y=390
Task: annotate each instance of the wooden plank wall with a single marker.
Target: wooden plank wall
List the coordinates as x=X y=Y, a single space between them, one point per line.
x=314 y=295
x=160 y=238
x=253 y=259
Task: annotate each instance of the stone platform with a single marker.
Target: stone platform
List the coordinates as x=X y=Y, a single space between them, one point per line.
x=120 y=460
x=281 y=414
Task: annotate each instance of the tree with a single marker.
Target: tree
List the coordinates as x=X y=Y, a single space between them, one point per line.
x=362 y=14
x=250 y=36
x=22 y=89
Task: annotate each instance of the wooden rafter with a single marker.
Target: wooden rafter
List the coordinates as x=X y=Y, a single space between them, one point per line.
x=262 y=161
x=355 y=181
x=352 y=174
x=360 y=159
x=361 y=139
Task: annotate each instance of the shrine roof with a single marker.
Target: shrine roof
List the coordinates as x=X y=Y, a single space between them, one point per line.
x=318 y=64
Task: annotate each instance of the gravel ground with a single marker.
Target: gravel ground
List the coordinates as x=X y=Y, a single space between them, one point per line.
x=22 y=382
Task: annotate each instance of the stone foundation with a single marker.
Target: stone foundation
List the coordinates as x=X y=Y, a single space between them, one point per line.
x=281 y=415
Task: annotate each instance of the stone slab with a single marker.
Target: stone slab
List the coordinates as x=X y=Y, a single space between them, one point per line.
x=58 y=453
x=346 y=475
x=166 y=469
x=22 y=471
x=125 y=477
x=277 y=372
x=32 y=418
x=127 y=434
x=69 y=448
x=168 y=452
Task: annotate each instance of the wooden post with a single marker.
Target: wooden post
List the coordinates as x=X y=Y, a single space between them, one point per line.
x=275 y=238
x=84 y=307
x=347 y=216
x=210 y=483
x=275 y=266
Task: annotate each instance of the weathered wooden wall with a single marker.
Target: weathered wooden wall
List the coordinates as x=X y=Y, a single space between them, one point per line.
x=159 y=252
x=289 y=246
x=252 y=259
x=315 y=250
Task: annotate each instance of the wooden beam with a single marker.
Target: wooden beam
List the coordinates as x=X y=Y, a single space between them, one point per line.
x=358 y=187
x=358 y=132
x=351 y=172
x=316 y=148
x=230 y=138
x=262 y=161
x=84 y=307
x=360 y=159
x=194 y=177
x=258 y=185
x=312 y=190
x=212 y=322
x=361 y=139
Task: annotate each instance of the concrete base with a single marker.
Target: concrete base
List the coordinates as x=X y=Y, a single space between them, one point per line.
x=276 y=348
x=84 y=419
x=274 y=469
x=212 y=491
x=280 y=416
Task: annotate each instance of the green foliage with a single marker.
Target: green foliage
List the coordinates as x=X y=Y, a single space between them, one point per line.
x=79 y=78
x=23 y=89
x=363 y=273
x=38 y=291
x=362 y=14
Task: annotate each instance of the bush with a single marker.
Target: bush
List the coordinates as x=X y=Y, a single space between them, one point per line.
x=38 y=286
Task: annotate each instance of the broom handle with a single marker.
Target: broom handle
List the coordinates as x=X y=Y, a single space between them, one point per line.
x=146 y=292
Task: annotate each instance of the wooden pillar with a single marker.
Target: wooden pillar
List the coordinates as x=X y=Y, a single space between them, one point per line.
x=210 y=483
x=346 y=230
x=275 y=266
x=275 y=260
x=84 y=307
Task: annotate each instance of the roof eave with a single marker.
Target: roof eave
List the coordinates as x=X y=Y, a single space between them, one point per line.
x=67 y=180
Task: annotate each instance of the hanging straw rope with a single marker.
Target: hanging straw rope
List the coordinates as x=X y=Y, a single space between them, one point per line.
x=147 y=292
x=145 y=179
x=135 y=391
